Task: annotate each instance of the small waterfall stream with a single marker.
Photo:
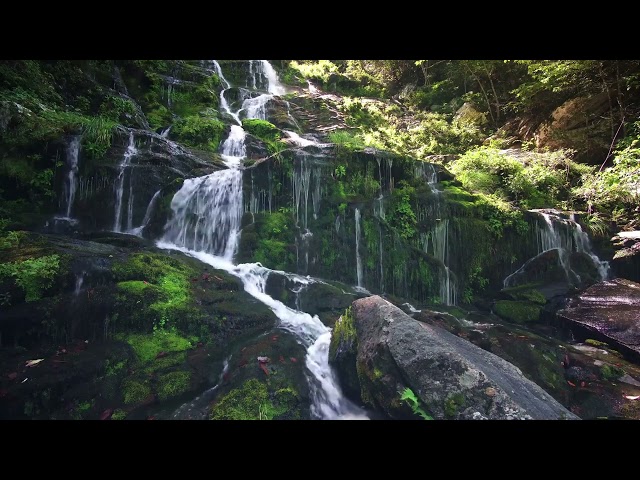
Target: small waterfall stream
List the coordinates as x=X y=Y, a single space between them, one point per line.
x=122 y=169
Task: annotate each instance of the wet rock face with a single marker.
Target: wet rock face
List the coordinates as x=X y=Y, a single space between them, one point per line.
x=609 y=311
x=626 y=261
x=450 y=377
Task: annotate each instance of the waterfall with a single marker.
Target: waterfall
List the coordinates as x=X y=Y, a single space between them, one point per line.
x=205 y=223
x=301 y=182
x=207 y=210
x=147 y=215
x=438 y=236
x=126 y=160
x=565 y=235
x=358 y=259
x=71 y=183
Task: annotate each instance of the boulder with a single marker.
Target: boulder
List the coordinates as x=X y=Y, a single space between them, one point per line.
x=408 y=369
x=608 y=311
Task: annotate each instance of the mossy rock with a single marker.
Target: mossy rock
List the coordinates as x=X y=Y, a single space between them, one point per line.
x=517 y=311
x=173 y=384
x=253 y=401
x=135 y=391
x=525 y=292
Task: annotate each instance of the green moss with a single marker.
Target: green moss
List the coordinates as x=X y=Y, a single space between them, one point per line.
x=154 y=290
x=33 y=275
x=344 y=331
x=610 y=372
x=197 y=131
x=453 y=403
x=171 y=360
x=119 y=414
x=525 y=292
x=595 y=343
x=252 y=401
x=135 y=391
x=148 y=346
x=150 y=267
x=262 y=129
x=85 y=406
x=243 y=403
x=113 y=368
x=173 y=384
x=517 y=311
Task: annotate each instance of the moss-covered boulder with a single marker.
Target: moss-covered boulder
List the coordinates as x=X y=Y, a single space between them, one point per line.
x=407 y=369
x=517 y=311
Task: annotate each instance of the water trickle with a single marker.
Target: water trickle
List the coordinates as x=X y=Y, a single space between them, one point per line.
x=122 y=168
x=358 y=259
x=71 y=184
x=147 y=215
x=79 y=282
x=165 y=132
x=301 y=182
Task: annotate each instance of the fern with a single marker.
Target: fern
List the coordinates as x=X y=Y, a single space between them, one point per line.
x=414 y=403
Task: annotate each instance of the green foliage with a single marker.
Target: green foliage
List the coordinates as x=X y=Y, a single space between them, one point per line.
x=401 y=216
x=97 y=135
x=33 y=275
x=414 y=402
x=320 y=70
x=346 y=139
x=617 y=186
x=10 y=239
x=538 y=181
x=596 y=224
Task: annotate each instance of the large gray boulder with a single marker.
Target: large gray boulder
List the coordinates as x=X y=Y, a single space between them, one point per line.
x=608 y=311
x=448 y=377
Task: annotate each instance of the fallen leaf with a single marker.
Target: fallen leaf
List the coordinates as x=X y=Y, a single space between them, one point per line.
x=582 y=384
x=106 y=414
x=570 y=383
x=293 y=359
x=632 y=397
x=31 y=363
x=264 y=369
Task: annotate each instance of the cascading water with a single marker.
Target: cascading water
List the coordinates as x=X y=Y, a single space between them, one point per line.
x=71 y=183
x=438 y=236
x=207 y=210
x=122 y=168
x=565 y=235
x=205 y=222
x=147 y=215
x=358 y=259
